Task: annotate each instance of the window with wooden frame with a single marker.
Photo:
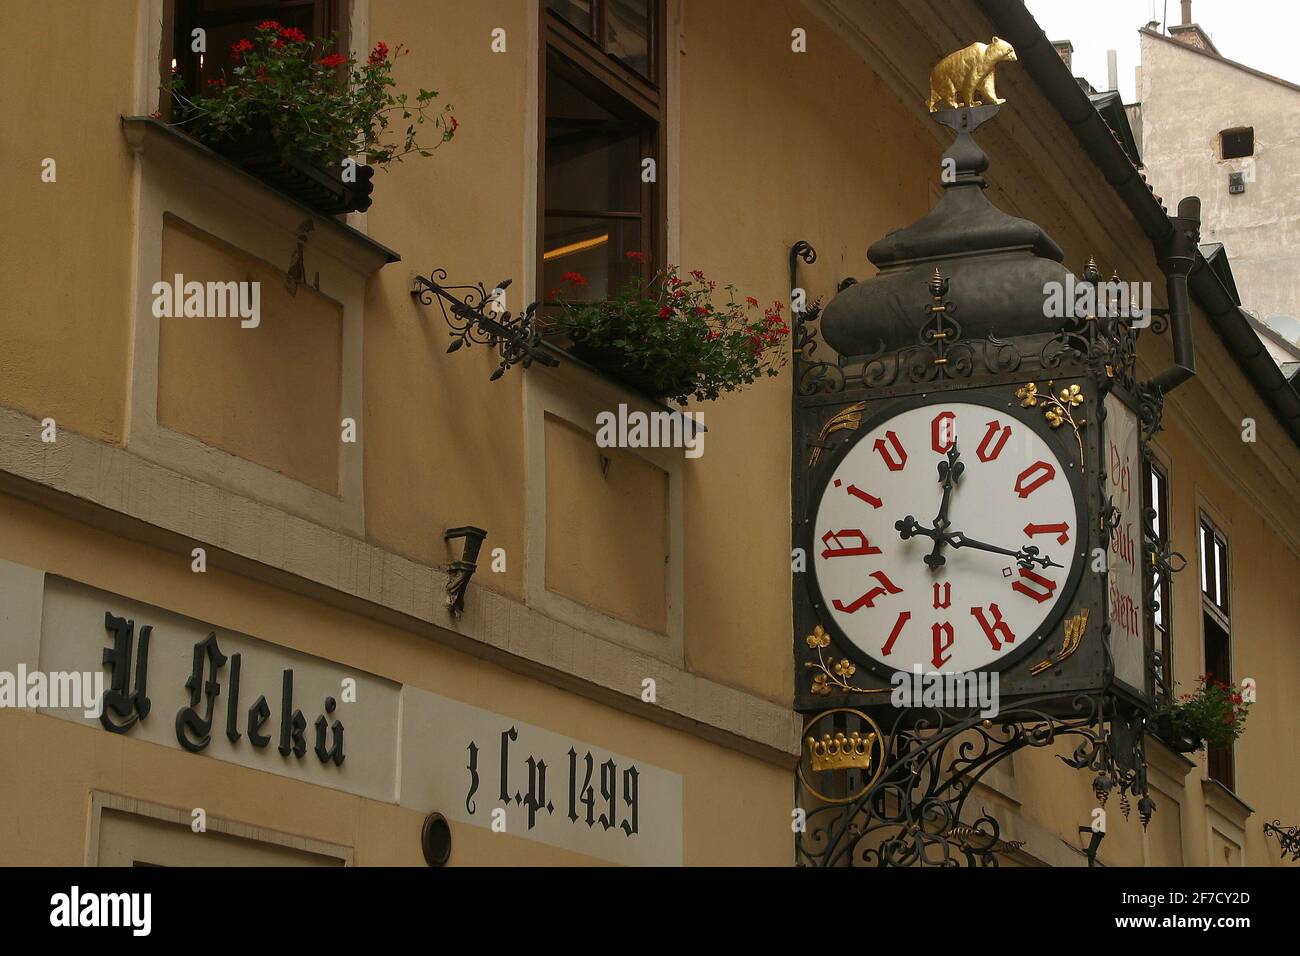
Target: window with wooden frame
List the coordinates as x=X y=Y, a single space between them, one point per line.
x=1155 y=487
x=1217 y=632
x=226 y=22
x=600 y=190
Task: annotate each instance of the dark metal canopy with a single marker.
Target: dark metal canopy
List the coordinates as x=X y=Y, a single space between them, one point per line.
x=1000 y=263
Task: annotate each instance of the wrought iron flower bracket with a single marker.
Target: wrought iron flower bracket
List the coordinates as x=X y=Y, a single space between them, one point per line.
x=1288 y=840
x=911 y=815
x=477 y=317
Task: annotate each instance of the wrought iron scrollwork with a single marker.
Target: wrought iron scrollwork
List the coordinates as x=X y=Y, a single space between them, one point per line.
x=1288 y=840
x=476 y=317
x=912 y=813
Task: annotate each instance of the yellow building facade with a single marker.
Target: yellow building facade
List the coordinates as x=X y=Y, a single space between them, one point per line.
x=286 y=488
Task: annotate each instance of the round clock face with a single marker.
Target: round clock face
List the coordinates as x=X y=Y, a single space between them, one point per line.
x=946 y=537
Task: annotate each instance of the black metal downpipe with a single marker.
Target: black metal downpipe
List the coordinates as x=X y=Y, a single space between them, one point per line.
x=1177 y=257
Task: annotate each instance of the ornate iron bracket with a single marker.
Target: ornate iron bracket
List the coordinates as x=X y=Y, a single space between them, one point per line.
x=461 y=571
x=911 y=789
x=476 y=316
x=1288 y=840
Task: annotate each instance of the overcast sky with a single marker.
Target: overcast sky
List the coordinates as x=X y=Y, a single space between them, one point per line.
x=1259 y=33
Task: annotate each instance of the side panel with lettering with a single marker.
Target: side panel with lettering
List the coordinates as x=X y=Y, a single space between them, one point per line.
x=554 y=789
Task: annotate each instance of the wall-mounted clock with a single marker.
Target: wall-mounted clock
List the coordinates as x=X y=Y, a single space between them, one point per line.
x=947 y=534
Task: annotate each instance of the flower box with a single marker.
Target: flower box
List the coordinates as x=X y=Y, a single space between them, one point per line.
x=291 y=112
x=323 y=190
x=668 y=338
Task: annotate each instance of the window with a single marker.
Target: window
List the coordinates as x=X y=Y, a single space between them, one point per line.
x=623 y=29
x=225 y=22
x=1217 y=628
x=1237 y=143
x=601 y=194
x=1159 y=619
x=1214 y=567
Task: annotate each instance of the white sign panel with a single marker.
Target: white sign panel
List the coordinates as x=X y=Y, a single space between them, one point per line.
x=1123 y=467
x=178 y=682
x=481 y=768
x=170 y=680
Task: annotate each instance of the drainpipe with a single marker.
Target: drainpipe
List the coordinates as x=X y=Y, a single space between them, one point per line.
x=1177 y=257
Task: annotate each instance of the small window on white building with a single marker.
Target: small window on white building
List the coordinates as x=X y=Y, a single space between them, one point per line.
x=1237 y=143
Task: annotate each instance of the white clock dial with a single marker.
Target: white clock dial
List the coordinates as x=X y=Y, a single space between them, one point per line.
x=968 y=606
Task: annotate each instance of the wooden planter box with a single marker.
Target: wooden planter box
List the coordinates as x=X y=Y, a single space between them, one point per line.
x=614 y=363
x=322 y=189
x=1164 y=729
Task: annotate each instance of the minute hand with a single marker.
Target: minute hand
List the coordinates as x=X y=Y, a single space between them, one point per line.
x=1026 y=557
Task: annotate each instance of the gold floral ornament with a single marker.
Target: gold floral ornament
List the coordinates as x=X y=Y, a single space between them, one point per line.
x=1058 y=407
x=836 y=673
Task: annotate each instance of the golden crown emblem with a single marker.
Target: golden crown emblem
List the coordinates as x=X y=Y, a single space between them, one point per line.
x=840 y=752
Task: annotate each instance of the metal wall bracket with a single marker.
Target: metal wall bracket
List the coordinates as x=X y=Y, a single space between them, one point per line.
x=896 y=797
x=1288 y=840
x=462 y=570
x=476 y=316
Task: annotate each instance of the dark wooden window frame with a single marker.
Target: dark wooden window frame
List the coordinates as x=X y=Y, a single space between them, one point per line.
x=621 y=89
x=1155 y=472
x=179 y=19
x=1216 y=608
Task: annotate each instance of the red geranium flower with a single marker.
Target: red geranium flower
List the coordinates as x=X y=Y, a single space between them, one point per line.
x=665 y=312
x=293 y=34
x=379 y=54
x=697 y=274
x=574 y=278
x=455 y=124
x=334 y=59
x=269 y=25
x=240 y=48
x=752 y=301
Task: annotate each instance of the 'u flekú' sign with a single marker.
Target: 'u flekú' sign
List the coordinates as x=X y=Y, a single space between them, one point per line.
x=181 y=683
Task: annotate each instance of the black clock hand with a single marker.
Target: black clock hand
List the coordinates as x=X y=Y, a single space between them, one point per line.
x=949 y=473
x=1026 y=557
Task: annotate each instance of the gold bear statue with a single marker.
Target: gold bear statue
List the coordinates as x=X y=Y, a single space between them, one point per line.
x=965 y=78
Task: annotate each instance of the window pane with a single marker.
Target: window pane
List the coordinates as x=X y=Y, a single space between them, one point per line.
x=577 y=12
x=225 y=23
x=595 y=247
x=1221 y=562
x=1207 y=562
x=593 y=157
x=629 y=33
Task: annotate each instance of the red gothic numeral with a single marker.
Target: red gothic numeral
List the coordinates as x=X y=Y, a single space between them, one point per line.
x=999 y=626
x=1060 y=529
x=898 y=629
x=947 y=595
x=891 y=462
x=857 y=492
x=986 y=453
x=1040 y=589
x=841 y=551
x=886 y=586
x=1034 y=477
x=943 y=432
x=943 y=638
